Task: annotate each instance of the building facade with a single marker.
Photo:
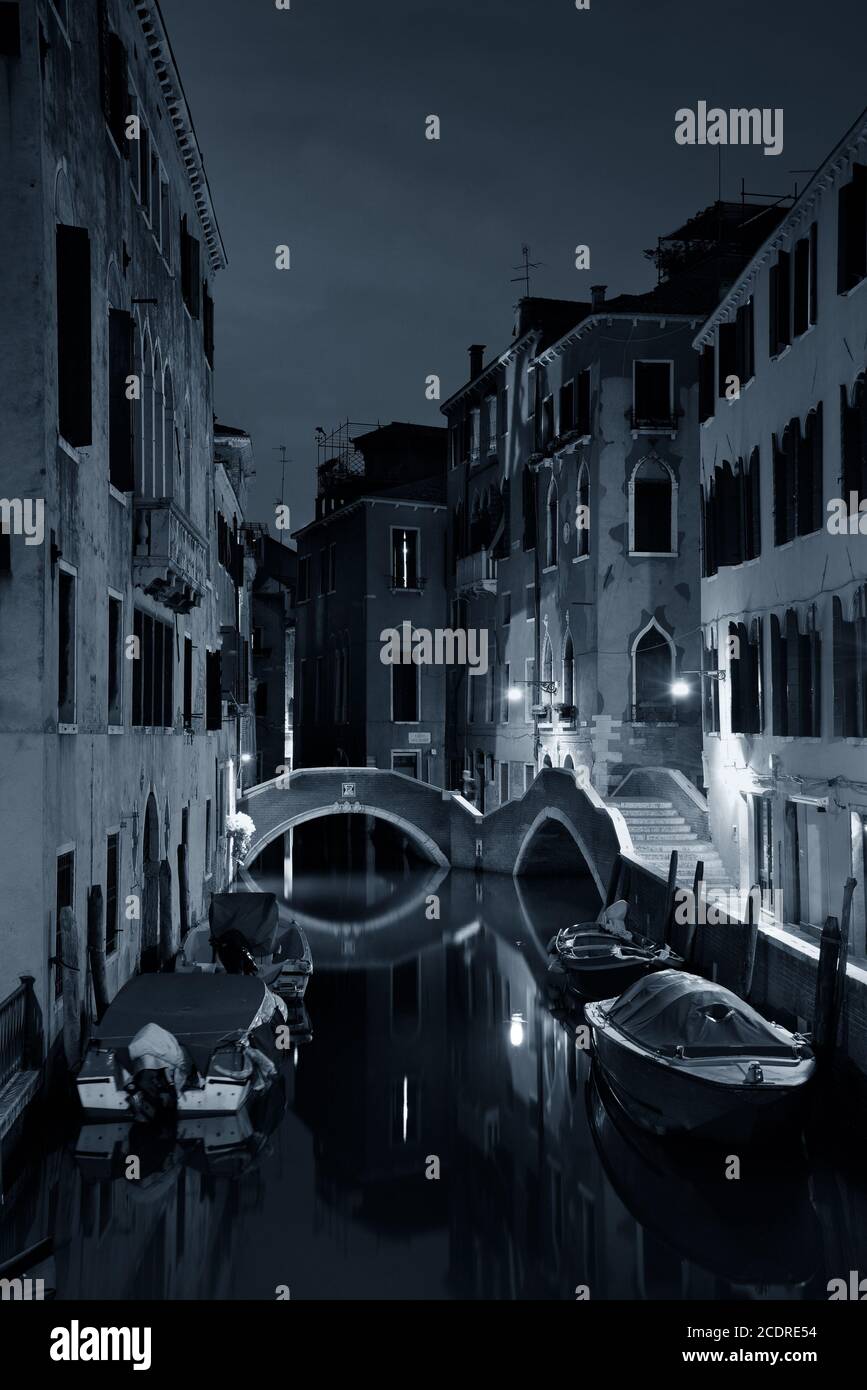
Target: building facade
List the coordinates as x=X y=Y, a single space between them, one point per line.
x=784 y=593
x=272 y=652
x=372 y=561
x=118 y=762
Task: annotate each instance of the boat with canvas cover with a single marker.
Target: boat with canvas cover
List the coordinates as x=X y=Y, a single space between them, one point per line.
x=685 y=1056
x=602 y=958
x=181 y=1044
x=242 y=937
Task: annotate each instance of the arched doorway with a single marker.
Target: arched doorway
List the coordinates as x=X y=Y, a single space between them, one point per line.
x=149 y=959
x=652 y=675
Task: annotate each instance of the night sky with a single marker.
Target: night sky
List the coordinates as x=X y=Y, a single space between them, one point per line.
x=557 y=128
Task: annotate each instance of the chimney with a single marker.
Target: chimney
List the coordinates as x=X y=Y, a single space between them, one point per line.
x=477 y=352
x=597 y=293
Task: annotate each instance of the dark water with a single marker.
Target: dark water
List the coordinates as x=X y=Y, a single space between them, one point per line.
x=433 y=1047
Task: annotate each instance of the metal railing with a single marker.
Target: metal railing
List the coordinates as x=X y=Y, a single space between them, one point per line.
x=410 y=582
x=476 y=570
x=20 y=1040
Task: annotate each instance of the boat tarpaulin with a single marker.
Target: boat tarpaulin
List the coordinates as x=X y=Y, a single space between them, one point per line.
x=253 y=915
x=671 y=1009
x=200 y=1011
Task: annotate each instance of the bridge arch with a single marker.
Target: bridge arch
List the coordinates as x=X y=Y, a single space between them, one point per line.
x=413 y=832
x=554 y=814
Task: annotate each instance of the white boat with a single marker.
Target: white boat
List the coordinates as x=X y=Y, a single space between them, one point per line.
x=185 y=1044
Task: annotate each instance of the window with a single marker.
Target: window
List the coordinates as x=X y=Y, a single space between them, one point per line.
x=144 y=166
x=153 y=673
x=64 y=897
x=303 y=578
x=120 y=417
x=112 y=865
x=853 y=424
x=552 y=524
x=404 y=558
x=209 y=837
x=582 y=410
x=652 y=508
x=332 y=568
x=568 y=678
x=780 y=314
x=809 y=492
x=745 y=677
x=545 y=695
x=208 y=325
x=115 y=661
x=67 y=619
x=214 y=690
x=188 y=682
x=529 y=774
x=852 y=230
x=114 y=95
x=653 y=395
x=74 y=335
x=706 y=384
x=504 y=411
x=582 y=514
x=850 y=667
x=745 y=353
x=752 y=509
x=505 y=687
x=652 y=675
x=728 y=355
x=261 y=700
x=5 y=550
x=504 y=783
x=763 y=843
x=546 y=422
x=567 y=407
x=323 y=570
x=491 y=423
x=506 y=609
x=165 y=227
x=475 y=429
x=804 y=272
x=529 y=688
x=405 y=692
x=190 y=270
x=318 y=691
x=528 y=478
x=796 y=664
x=785 y=482
x=710 y=685
x=531 y=603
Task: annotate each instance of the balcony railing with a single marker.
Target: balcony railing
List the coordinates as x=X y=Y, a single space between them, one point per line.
x=663 y=423
x=645 y=713
x=477 y=572
x=20 y=1037
x=170 y=556
x=408 y=583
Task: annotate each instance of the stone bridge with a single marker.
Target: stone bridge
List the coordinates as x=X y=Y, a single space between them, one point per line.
x=538 y=832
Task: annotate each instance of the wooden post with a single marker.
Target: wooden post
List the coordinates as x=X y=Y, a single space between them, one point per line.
x=184 y=888
x=32 y=1026
x=825 y=1020
x=750 y=942
x=668 y=915
x=96 y=949
x=71 y=986
x=845 y=929
x=614 y=880
x=690 y=936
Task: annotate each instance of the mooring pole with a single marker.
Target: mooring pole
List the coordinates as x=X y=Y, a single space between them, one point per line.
x=96 y=949
x=750 y=943
x=825 y=1020
x=668 y=917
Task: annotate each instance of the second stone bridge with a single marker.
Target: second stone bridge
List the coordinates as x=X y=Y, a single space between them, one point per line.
x=555 y=826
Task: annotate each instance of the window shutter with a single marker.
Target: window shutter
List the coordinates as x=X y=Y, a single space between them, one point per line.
x=779 y=678
x=773 y=309
x=755 y=493
x=120 y=418
x=74 y=382
x=814 y=273
x=728 y=354
x=230 y=662
x=817 y=501
x=214 y=686
x=793 y=674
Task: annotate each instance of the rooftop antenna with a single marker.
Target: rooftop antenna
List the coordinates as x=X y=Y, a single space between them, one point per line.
x=525 y=268
x=281 y=500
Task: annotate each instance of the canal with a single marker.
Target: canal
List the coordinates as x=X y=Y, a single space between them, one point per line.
x=435 y=1134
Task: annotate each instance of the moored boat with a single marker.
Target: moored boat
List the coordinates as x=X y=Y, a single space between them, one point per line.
x=605 y=957
x=176 y=1044
x=685 y=1056
x=242 y=937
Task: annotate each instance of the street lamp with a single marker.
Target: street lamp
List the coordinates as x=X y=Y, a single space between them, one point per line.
x=681 y=688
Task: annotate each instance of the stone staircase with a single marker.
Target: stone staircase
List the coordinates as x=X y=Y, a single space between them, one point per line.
x=657 y=828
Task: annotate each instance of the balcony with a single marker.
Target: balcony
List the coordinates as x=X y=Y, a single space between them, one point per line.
x=169 y=556
x=406 y=583
x=477 y=573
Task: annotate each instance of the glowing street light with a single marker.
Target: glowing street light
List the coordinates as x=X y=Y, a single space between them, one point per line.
x=680 y=689
x=516 y=1030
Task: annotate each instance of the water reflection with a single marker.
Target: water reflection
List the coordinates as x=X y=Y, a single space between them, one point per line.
x=434 y=1050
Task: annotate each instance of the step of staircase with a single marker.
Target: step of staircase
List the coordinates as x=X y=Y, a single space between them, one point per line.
x=657 y=828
